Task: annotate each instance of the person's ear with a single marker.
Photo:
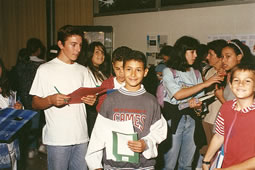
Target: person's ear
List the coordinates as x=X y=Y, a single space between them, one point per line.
x=146 y=72
x=239 y=57
x=230 y=85
x=60 y=45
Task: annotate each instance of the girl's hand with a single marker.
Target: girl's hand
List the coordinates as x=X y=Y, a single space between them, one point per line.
x=214 y=79
x=18 y=105
x=90 y=99
x=221 y=72
x=195 y=103
x=137 y=146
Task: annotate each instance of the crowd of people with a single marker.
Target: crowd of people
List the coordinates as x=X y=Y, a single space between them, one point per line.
x=183 y=110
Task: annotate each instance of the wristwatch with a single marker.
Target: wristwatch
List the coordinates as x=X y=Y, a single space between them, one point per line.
x=206 y=162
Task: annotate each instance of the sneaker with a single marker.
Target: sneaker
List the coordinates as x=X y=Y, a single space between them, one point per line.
x=32 y=153
x=42 y=149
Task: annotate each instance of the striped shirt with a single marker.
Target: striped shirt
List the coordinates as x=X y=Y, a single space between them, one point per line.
x=219 y=124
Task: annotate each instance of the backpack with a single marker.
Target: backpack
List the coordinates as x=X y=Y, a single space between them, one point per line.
x=161 y=91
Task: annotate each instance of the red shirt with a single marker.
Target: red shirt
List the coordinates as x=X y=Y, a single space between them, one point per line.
x=108 y=84
x=241 y=143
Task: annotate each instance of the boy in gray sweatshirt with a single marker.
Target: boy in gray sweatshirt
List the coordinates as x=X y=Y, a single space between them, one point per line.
x=131 y=102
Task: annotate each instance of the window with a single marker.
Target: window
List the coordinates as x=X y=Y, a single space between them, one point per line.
x=182 y=2
x=109 y=6
x=115 y=7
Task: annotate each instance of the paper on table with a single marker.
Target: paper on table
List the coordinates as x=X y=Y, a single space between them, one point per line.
x=84 y=91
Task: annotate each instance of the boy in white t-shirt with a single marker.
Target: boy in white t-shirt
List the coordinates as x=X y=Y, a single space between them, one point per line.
x=65 y=132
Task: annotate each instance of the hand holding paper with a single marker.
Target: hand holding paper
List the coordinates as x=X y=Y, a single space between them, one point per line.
x=90 y=99
x=58 y=99
x=77 y=95
x=137 y=146
x=121 y=147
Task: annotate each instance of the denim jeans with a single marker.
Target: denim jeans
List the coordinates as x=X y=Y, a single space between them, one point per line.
x=71 y=157
x=34 y=132
x=183 y=146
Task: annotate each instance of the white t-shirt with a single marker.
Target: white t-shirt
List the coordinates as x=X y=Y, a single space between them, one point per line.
x=65 y=125
x=117 y=85
x=96 y=83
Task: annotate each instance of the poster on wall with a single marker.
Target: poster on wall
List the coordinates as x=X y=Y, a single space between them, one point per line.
x=226 y=37
x=151 y=58
x=248 y=39
x=154 y=43
x=163 y=40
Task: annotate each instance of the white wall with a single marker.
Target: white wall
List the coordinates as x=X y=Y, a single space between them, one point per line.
x=131 y=29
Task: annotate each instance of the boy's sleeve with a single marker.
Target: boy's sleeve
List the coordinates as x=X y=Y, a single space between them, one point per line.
x=87 y=79
x=94 y=154
x=219 y=124
x=157 y=133
x=38 y=83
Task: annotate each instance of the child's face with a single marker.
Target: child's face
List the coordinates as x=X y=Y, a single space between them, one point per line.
x=243 y=84
x=212 y=58
x=71 y=49
x=191 y=56
x=159 y=75
x=165 y=58
x=134 y=73
x=230 y=59
x=98 y=56
x=118 y=70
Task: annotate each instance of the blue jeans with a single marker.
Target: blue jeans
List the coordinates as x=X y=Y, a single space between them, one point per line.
x=71 y=157
x=34 y=132
x=183 y=146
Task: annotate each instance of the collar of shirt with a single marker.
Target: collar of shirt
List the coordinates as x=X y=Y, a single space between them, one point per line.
x=125 y=91
x=244 y=110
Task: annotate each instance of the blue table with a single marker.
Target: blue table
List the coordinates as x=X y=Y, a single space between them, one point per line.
x=11 y=121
